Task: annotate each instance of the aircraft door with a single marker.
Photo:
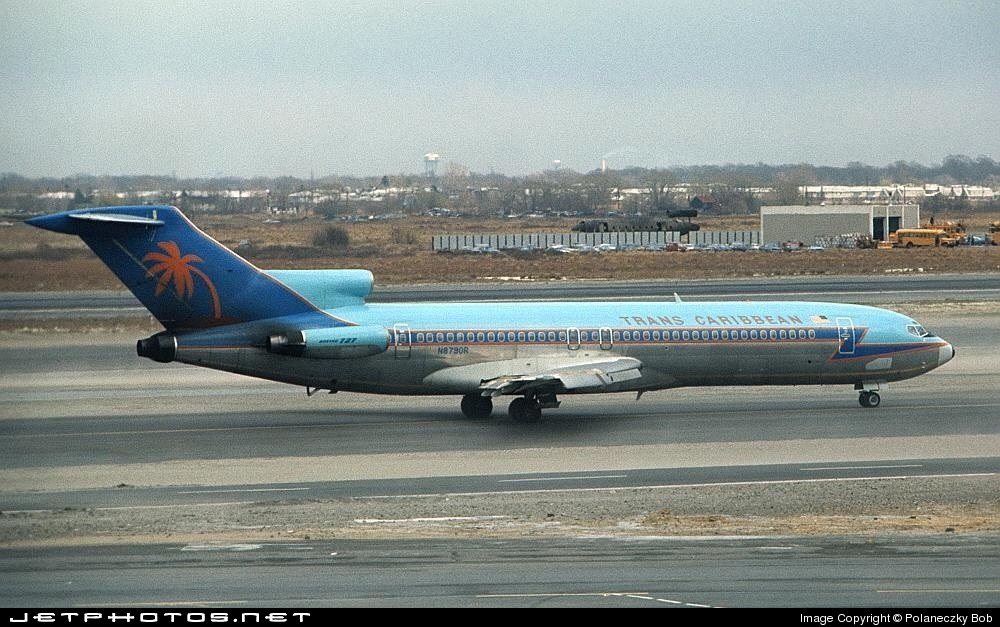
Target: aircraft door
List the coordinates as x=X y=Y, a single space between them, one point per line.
x=605 y=338
x=846 y=333
x=573 y=339
x=401 y=340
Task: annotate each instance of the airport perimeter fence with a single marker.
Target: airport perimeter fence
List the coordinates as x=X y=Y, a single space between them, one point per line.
x=618 y=239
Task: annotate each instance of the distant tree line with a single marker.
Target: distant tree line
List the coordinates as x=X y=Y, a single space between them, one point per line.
x=735 y=188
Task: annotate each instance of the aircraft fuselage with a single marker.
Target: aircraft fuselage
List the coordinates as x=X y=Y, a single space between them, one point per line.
x=435 y=348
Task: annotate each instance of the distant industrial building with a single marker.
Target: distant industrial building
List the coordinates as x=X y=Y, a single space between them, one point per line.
x=800 y=223
x=883 y=194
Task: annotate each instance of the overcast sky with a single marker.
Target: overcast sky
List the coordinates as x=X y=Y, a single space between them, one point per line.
x=275 y=88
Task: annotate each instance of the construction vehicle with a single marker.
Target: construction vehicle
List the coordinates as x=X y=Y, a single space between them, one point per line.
x=954 y=229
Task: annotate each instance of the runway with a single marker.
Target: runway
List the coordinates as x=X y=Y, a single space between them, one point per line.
x=91 y=431
x=846 y=573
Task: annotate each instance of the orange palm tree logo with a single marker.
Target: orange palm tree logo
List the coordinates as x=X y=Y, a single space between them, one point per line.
x=174 y=267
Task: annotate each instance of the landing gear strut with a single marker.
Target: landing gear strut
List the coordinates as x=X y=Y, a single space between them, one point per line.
x=868 y=397
x=476 y=406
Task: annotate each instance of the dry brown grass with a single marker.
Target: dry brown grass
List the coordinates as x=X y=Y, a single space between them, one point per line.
x=399 y=252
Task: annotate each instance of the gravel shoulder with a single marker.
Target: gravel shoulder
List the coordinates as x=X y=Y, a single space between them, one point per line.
x=865 y=508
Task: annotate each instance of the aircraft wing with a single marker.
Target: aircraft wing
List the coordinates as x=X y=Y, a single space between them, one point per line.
x=566 y=376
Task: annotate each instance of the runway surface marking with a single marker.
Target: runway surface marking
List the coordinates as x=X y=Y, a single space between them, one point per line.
x=562 y=478
x=367 y=521
x=222 y=491
x=939 y=590
x=861 y=467
x=670 y=486
x=631 y=595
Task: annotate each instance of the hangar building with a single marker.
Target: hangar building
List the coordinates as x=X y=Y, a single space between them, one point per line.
x=801 y=223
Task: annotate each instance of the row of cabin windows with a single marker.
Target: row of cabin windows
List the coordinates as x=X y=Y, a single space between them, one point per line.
x=617 y=336
x=498 y=336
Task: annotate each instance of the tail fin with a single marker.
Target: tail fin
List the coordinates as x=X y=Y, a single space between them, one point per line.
x=184 y=277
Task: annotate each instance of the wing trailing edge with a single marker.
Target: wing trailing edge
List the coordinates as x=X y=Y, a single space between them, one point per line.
x=549 y=373
x=592 y=374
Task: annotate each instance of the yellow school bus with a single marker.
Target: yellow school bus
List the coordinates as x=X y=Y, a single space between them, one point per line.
x=908 y=238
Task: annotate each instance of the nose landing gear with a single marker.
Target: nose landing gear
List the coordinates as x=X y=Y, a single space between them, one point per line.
x=869 y=398
x=868 y=393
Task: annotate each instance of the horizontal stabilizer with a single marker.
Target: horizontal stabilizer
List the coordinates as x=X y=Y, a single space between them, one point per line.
x=117 y=218
x=328 y=289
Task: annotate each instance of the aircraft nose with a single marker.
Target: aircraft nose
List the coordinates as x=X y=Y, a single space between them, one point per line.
x=945 y=353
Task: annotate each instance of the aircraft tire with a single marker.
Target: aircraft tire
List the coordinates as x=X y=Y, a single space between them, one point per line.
x=869 y=399
x=475 y=406
x=523 y=410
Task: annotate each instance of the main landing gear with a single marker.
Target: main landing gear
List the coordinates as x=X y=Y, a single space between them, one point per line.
x=475 y=406
x=526 y=408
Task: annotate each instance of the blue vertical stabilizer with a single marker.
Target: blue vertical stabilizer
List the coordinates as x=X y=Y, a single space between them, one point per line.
x=184 y=277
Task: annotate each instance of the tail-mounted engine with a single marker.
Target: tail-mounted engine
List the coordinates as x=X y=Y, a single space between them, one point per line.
x=161 y=347
x=331 y=343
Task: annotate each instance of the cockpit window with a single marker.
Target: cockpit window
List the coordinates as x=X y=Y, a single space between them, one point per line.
x=916 y=329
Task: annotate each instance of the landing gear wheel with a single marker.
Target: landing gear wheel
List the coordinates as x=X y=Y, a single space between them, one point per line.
x=475 y=406
x=869 y=399
x=524 y=410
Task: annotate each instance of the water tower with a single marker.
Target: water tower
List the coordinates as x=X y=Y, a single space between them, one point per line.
x=430 y=164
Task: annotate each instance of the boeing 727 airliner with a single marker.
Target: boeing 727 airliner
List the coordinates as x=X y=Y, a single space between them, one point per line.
x=313 y=328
